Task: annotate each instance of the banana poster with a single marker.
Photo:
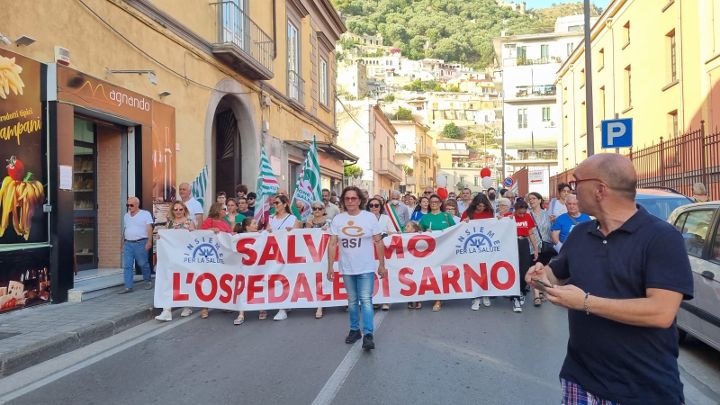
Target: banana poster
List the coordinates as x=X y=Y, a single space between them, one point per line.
x=22 y=165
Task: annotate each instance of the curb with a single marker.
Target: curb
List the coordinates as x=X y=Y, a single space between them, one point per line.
x=36 y=353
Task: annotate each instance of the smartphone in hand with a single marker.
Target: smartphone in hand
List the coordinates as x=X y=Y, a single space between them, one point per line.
x=540 y=285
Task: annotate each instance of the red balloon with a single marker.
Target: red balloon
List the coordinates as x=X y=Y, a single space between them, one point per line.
x=485 y=172
x=442 y=192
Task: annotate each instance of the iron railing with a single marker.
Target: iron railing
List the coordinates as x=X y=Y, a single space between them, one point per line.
x=678 y=163
x=296 y=86
x=238 y=29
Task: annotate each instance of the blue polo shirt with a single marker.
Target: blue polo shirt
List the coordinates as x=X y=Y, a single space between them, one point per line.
x=615 y=361
x=564 y=223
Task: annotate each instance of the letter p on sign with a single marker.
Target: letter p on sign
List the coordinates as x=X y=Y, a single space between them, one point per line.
x=617 y=133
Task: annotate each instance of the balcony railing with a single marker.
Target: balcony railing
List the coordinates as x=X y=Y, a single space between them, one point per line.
x=548 y=90
x=425 y=153
x=242 y=43
x=389 y=168
x=520 y=61
x=296 y=86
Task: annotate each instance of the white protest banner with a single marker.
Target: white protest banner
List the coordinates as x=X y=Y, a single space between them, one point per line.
x=255 y=271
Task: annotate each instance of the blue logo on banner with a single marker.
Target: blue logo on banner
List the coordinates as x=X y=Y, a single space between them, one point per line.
x=203 y=250
x=477 y=240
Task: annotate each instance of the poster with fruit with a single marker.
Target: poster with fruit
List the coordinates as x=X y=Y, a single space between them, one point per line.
x=22 y=154
x=25 y=279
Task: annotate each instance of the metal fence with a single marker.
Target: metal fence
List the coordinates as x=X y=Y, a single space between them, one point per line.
x=677 y=163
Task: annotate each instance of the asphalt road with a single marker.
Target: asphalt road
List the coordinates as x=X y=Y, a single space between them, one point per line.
x=492 y=356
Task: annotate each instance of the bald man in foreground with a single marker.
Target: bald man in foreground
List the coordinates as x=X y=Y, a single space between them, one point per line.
x=622 y=278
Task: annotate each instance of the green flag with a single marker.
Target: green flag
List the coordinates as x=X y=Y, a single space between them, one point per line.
x=307 y=188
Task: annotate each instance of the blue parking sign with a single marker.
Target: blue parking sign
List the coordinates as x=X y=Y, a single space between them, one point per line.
x=617 y=133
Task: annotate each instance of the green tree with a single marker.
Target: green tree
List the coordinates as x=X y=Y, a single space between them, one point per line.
x=452 y=131
x=389 y=98
x=403 y=114
x=353 y=171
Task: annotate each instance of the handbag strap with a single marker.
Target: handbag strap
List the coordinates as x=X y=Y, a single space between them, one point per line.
x=537 y=228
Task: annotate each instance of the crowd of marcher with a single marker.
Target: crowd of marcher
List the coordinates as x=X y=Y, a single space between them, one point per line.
x=542 y=226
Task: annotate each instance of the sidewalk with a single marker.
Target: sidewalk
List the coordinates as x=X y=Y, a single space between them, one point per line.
x=33 y=335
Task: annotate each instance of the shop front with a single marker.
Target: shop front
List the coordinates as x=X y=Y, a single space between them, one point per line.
x=107 y=143
x=24 y=237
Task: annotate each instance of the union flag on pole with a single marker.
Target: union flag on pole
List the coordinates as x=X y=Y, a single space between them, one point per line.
x=267 y=186
x=307 y=188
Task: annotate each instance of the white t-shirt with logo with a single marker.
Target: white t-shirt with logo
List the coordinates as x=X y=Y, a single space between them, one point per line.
x=135 y=226
x=355 y=239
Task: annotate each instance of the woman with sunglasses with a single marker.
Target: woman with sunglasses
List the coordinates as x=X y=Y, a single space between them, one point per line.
x=318 y=220
x=177 y=218
x=557 y=205
x=282 y=219
x=232 y=216
x=421 y=209
x=356 y=238
x=436 y=220
x=376 y=207
x=215 y=222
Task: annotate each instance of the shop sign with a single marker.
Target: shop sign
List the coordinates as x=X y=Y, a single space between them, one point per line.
x=83 y=90
x=163 y=153
x=25 y=278
x=22 y=162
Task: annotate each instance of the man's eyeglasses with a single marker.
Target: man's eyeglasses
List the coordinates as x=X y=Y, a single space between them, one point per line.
x=374 y=205
x=129 y=205
x=573 y=183
x=427 y=192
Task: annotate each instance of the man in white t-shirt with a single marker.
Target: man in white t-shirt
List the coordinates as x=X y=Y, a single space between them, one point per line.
x=465 y=200
x=137 y=242
x=193 y=205
x=358 y=235
x=330 y=209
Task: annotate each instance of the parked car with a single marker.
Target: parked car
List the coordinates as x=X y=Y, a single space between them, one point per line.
x=700 y=226
x=661 y=201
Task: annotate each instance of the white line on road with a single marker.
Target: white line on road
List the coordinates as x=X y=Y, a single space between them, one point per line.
x=36 y=377
x=337 y=379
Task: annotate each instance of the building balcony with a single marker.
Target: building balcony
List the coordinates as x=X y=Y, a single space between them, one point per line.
x=391 y=170
x=425 y=153
x=296 y=86
x=520 y=61
x=533 y=93
x=242 y=44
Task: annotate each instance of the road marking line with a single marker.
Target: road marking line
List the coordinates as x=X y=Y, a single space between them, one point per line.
x=16 y=385
x=337 y=379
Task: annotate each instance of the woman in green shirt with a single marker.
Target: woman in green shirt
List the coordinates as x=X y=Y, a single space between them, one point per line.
x=436 y=220
x=233 y=217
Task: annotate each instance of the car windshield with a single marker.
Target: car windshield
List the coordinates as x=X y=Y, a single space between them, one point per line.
x=660 y=206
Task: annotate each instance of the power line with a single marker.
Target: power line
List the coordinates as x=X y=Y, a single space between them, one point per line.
x=152 y=58
x=352 y=117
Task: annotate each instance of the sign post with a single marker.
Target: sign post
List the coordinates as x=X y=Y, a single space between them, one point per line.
x=617 y=133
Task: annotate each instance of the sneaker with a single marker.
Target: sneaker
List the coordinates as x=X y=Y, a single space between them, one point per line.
x=516 y=305
x=126 y=290
x=164 y=316
x=187 y=311
x=475 y=304
x=368 y=342
x=149 y=285
x=522 y=300
x=486 y=301
x=353 y=336
x=280 y=316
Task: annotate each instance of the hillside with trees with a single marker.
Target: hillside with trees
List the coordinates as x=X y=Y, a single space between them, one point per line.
x=453 y=30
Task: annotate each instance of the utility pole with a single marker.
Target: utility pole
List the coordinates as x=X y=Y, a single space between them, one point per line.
x=588 y=84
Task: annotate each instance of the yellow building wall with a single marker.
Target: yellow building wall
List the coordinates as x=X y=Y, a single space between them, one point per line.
x=654 y=94
x=94 y=47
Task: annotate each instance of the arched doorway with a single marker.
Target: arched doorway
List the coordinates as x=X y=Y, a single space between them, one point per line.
x=228 y=148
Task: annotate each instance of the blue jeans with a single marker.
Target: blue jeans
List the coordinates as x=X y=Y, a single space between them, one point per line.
x=134 y=251
x=360 y=290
